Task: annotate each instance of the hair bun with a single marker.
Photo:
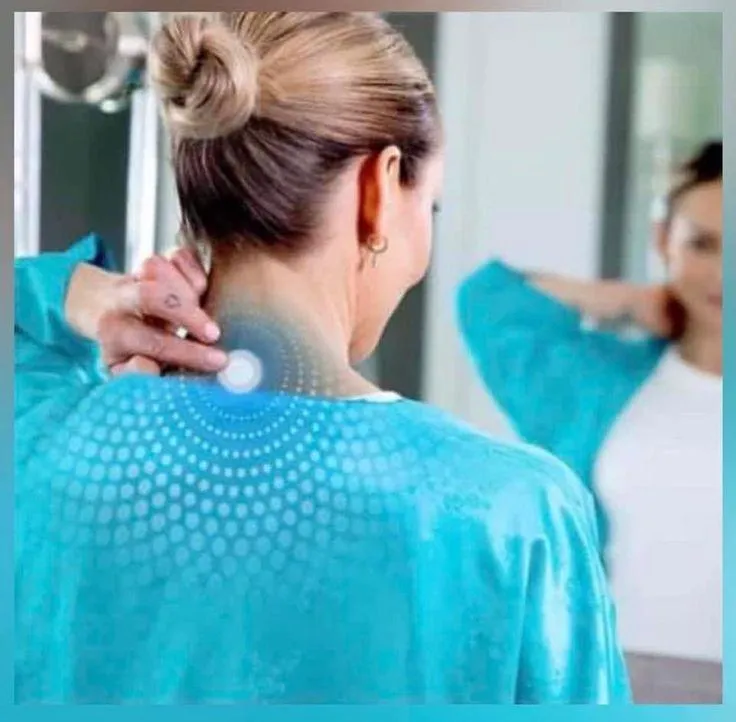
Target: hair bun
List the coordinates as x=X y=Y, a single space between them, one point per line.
x=206 y=76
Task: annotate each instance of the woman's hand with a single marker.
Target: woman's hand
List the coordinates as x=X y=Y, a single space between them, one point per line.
x=135 y=318
x=647 y=306
x=651 y=309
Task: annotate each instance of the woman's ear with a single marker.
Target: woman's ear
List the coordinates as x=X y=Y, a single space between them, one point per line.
x=380 y=183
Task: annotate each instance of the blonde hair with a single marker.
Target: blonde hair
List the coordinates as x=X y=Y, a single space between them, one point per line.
x=266 y=108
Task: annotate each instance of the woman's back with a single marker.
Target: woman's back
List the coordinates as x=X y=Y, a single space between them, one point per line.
x=181 y=540
x=207 y=546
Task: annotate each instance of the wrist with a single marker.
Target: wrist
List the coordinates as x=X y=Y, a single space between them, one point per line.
x=636 y=303
x=622 y=301
x=89 y=295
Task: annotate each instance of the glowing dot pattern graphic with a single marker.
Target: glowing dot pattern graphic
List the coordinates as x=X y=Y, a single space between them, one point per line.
x=268 y=354
x=236 y=534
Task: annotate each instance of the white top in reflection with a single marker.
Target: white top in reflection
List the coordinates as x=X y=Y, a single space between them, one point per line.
x=659 y=477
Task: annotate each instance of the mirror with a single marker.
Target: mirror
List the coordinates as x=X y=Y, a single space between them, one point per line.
x=579 y=123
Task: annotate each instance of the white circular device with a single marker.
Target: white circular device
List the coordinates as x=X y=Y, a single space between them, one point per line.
x=243 y=373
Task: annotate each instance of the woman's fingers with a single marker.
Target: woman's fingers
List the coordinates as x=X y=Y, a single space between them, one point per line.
x=653 y=310
x=158 y=269
x=123 y=337
x=186 y=262
x=166 y=302
x=136 y=365
x=181 y=266
x=169 y=291
x=138 y=333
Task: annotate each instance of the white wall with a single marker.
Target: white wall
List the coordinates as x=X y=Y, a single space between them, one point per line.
x=524 y=103
x=168 y=213
x=153 y=220
x=27 y=143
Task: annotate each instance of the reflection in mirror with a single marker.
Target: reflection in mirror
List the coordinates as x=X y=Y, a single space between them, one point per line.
x=621 y=378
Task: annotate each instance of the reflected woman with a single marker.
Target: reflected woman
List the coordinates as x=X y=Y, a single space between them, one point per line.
x=639 y=420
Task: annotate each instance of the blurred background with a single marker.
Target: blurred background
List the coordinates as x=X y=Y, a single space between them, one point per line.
x=561 y=130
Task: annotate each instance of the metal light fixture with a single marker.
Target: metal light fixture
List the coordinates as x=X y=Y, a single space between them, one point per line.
x=94 y=58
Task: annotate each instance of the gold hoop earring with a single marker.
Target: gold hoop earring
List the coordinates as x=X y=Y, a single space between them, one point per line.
x=376 y=248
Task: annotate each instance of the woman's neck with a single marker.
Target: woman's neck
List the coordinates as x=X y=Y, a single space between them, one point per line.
x=702 y=349
x=305 y=308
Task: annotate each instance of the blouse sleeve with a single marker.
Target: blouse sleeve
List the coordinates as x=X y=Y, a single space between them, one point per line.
x=52 y=363
x=547 y=371
x=570 y=651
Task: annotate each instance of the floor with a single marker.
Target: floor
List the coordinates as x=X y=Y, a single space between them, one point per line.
x=663 y=680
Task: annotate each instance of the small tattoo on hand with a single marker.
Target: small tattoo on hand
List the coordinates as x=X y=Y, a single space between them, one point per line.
x=172 y=301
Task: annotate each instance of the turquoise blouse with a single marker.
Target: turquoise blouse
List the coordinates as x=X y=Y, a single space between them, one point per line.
x=562 y=385
x=177 y=543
